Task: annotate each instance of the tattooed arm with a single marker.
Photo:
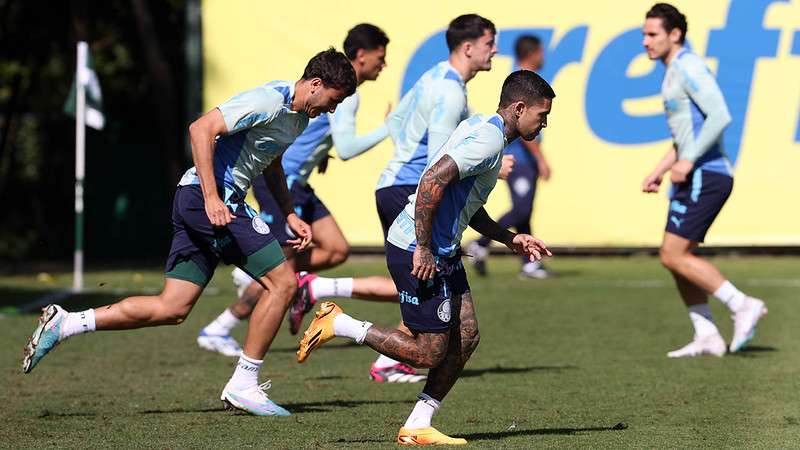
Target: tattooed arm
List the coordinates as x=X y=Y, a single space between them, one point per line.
x=429 y=194
x=276 y=183
x=485 y=225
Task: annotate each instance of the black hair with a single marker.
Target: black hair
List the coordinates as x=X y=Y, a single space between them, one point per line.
x=467 y=27
x=525 y=86
x=364 y=36
x=670 y=17
x=334 y=69
x=525 y=45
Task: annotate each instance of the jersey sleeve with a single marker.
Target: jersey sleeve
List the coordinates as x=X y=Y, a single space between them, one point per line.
x=257 y=106
x=477 y=152
x=343 y=131
x=449 y=103
x=702 y=89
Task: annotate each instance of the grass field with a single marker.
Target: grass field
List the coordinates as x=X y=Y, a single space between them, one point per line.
x=562 y=363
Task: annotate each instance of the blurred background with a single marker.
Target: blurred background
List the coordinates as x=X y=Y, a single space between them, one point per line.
x=161 y=64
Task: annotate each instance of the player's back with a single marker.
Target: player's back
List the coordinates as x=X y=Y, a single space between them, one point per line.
x=433 y=101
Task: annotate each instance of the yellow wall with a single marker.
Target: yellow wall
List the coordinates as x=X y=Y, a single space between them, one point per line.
x=593 y=197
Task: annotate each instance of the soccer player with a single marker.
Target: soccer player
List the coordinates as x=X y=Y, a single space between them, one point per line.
x=365 y=46
x=424 y=256
x=231 y=145
x=702 y=179
x=530 y=165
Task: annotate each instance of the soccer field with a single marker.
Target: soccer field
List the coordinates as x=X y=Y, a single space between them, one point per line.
x=572 y=362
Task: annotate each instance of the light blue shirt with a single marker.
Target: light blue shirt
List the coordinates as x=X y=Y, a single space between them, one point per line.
x=422 y=122
x=337 y=129
x=476 y=146
x=696 y=112
x=261 y=126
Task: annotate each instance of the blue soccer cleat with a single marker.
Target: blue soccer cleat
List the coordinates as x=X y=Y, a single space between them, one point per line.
x=45 y=337
x=253 y=400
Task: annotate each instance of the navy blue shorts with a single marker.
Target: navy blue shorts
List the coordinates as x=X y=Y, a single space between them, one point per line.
x=695 y=204
x=307 y=206
x=197 y=246
x=428 y=306
x=390 y=201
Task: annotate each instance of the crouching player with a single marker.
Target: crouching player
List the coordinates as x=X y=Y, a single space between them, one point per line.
x=424 y=255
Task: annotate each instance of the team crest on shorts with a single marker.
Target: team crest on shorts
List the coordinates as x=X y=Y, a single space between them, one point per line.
x=260 y=226
x=444 y=311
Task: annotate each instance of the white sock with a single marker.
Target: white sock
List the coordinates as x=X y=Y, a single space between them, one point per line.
x=346 y=326
x=222 y=325
x=702 y=321
x=78 y=323
x=730 y=296
x=423 y=412
x=246 y=373
x=384 y=361
x=332 y=287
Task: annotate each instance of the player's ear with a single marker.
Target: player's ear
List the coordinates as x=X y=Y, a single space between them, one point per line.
x=316 y=84
x=675 y=35
x=519 y=109
x=360 y=55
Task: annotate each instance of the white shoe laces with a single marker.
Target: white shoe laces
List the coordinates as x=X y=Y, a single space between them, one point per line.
x=264 y=387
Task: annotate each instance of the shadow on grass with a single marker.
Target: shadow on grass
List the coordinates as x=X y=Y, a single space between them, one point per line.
x=18 y=300
x=500 y=370
x=752 y=351
x=340 y=344
x=336 y=404
x=183 y=411
x=539 y=432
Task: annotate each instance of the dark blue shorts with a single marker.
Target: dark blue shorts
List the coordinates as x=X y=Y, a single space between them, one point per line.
x=390 y=201
x=695 y=204
x=307 y=206
x=197 y=246
x=427 y=306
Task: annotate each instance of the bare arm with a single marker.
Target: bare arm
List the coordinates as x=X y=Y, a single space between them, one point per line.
x=429 y=195
x=485 y=225
x=652 y=182
x=202 y=133
x=275 y=179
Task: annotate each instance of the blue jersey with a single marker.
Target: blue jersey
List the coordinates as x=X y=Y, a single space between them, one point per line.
x=261 y=125
x=422 y=122
x=476 y=146
x=696 y=112
x=521 y=153
x=323 y=132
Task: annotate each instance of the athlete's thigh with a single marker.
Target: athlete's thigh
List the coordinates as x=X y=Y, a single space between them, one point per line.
x=327 y=233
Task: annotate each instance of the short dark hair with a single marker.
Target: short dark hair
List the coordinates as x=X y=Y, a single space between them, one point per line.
x=364 y=36
x=525 y=86
x=334 y=69
x=525 y=45
x=467 y=27
x=670 y=17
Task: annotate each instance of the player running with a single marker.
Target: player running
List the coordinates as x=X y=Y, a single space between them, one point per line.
x=530 y=165
x=702 y=180
x=424 y=256
x=231 y=145
x=365 y=46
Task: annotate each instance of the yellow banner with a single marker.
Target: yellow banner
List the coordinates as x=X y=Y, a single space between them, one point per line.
x=607 y=129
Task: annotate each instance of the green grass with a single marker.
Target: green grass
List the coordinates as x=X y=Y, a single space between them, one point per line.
x=561 y=362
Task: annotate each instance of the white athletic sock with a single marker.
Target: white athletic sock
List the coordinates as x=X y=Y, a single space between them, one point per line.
x=346 y=326
x=78 y=323
x=384 y=361
x=332 y=287
x=730 y=296
x=701 y=319
x=222 y=325
x=423 y=412
x=246 y=373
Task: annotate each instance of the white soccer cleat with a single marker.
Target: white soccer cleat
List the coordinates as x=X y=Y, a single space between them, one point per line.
x=744 y=322
x=241 y=280
x=713 y=345
x=253 y=400
x=225 y=345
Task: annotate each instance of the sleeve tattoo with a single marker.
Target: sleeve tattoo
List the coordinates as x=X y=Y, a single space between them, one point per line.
x=429 y=195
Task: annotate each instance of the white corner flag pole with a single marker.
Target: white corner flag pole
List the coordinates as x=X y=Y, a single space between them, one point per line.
x=80 y=161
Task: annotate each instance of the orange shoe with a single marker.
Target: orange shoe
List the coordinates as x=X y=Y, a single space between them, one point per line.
x=426 y=436
x=319 y=331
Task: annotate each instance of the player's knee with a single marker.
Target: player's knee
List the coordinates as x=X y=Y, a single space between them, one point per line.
x=432 y=356
x=669 y=258
x=340 y=254
x=285 y=287
x=174 y=314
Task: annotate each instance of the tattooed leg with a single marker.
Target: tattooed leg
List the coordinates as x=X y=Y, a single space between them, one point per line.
x=463 y=342
x=424 y=350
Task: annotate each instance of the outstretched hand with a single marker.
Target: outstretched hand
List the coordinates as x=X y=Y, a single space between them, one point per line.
x=535 y=249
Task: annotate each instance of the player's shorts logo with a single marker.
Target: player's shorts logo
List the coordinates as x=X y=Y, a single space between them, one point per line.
x=260 y=226
x=444 y=311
